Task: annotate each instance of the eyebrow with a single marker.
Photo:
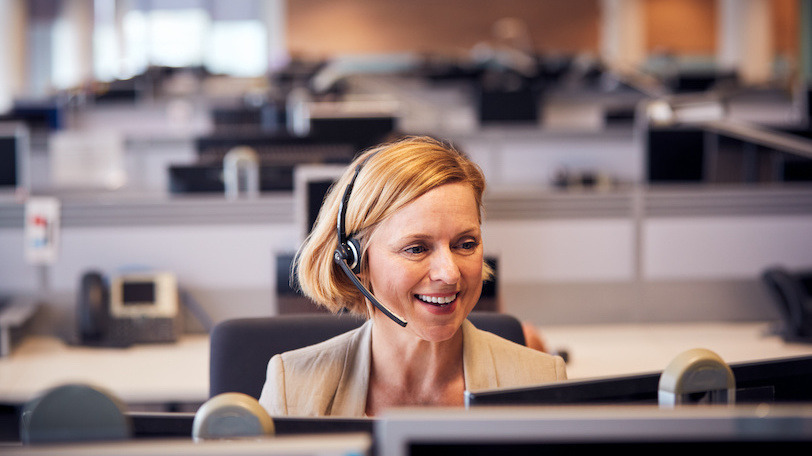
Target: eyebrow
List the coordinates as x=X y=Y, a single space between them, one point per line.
x=421 y=236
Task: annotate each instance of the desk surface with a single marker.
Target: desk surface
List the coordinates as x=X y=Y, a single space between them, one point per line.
x=620 y=349
x=141 y=374
x=179 y=373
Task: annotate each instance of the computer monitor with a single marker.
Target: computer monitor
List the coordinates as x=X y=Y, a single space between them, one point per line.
x=361 y=123
x=310 y=186
x=361 y=132
x=14 y=146
x=508 y=106
x=153 y=425
x=39 y=116
x=771 y=381
x=796 y=169
x=159 y=425
x=675 y=154
x=205 y=178
x=549 y=430
x=275 y=149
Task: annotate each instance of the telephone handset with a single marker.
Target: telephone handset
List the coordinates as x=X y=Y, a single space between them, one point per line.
x=128 y=309
x=792 y=293
x=93 y=309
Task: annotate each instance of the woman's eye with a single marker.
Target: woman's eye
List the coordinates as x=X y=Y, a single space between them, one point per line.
x=415 y=250
x=468 y=245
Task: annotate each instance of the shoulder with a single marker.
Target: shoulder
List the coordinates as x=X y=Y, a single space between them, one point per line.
x=304 y=381
x=511 y=351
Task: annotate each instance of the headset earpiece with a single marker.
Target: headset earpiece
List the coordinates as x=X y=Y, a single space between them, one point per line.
x=350 y=252
x=354 y=259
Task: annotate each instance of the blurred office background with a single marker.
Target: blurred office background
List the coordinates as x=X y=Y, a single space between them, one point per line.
x=647 y=159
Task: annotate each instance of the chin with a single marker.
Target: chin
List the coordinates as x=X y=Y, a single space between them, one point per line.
x=436 y=328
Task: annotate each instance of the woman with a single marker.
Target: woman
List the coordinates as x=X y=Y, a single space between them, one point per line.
x=410 y=213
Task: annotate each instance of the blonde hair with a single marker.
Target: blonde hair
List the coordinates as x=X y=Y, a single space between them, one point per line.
x=393 y=175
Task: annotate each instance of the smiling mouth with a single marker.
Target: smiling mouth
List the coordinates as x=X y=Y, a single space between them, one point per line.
x=440 y=301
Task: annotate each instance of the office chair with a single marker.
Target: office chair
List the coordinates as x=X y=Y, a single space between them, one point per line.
x=241 y=348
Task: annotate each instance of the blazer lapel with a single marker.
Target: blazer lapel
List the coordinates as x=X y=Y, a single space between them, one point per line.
x=479 y=367
x=351 y=394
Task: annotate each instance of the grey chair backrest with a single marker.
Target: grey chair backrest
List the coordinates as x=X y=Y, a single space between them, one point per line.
x=241 y=348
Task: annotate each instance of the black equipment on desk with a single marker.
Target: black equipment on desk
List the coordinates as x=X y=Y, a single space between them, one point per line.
x=133 y=308
x=583 y=430
x=792 y=294
x=152 y=425
x=782 y=380
x=13 y=156
x=208 y=178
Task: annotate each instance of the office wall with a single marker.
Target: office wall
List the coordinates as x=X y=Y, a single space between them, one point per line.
x=787 y=26
x=684 y=27
x=691 y=27
x=681 y=26
x=572 y=270
x=324 y=27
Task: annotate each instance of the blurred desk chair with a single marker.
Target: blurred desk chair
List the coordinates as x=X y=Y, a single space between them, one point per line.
x=241 y=348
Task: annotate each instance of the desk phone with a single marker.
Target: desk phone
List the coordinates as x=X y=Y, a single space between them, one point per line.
x=133 y=308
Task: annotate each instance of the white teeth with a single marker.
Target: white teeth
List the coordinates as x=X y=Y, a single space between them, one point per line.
x=437 y=300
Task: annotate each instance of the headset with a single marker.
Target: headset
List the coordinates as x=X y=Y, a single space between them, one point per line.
x=348 y=253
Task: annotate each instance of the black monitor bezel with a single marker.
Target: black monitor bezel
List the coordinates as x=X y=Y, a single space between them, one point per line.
x=771 y=380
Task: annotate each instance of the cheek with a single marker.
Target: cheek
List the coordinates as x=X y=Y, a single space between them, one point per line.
x=391 y=276
x=471 y=268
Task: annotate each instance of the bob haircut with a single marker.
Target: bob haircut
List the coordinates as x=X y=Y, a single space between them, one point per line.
x=393 y=175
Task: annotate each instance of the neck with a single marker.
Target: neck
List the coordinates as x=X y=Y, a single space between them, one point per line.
x=399 y=351
x=407 y=370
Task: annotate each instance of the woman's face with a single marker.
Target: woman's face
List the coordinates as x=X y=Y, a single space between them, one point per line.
x=425 y=261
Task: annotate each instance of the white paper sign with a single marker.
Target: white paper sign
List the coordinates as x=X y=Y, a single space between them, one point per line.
x=87 y=159
x=41 y=230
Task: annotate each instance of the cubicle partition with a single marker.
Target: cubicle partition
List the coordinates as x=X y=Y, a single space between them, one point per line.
x=720 y=153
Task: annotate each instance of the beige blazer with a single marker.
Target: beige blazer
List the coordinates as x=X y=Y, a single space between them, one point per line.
x=332 y=378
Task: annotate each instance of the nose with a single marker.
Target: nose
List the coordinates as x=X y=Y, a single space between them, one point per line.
x=444 y=267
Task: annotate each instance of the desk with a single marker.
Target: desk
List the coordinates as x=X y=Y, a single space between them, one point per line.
x=141 y=374
x=620 y=349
